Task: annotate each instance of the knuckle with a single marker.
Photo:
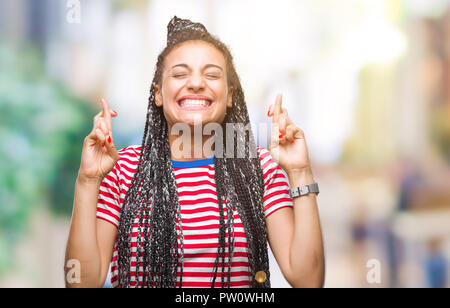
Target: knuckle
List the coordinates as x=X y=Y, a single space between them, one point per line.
x=96 y=122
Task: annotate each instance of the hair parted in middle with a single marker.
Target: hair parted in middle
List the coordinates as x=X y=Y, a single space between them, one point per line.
x=152 y=199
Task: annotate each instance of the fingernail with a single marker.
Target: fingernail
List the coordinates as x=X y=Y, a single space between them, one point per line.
x=280 y=136
x=109 y=139
x=269 y=114
x=292 y=141
x=115 y=112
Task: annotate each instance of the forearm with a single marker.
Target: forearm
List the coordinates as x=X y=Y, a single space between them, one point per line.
x=306 y=254
x=82 y=242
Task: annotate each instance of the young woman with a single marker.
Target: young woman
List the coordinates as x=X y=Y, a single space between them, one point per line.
x=160 y=215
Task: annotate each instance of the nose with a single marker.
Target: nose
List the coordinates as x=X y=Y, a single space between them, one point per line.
x=196 y=83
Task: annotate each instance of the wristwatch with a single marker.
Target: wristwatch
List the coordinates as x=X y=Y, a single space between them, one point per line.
x=304 y=190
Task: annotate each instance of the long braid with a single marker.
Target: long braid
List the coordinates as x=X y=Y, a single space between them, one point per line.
x=249 y=186
x=221 y=200
x=152 y=198
x=224 y=196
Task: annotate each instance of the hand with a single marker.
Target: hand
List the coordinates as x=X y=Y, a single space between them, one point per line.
x=99 y=153
x=287 y=143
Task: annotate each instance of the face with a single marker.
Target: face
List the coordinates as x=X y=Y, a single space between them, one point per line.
x=194 y=85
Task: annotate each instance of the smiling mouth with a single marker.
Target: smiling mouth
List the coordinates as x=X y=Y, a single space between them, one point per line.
x=194 y=104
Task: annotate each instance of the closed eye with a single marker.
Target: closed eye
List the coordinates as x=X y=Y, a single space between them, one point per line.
x=213 y=76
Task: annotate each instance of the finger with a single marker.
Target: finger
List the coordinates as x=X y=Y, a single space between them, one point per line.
x=290 y=133
x=92 y=136
x=275 y=137
x=288 y=120
x=99 y=116
x=277 y=109
x=100 y=137
x=283 y=122
x=299 y=134
x=104 y=127
x=275 y=134
x=100 y=123
x=282 y=138
x=269 y=111
x=107 y=113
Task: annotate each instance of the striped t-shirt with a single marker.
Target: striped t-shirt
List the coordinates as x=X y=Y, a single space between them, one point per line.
x=199 y=215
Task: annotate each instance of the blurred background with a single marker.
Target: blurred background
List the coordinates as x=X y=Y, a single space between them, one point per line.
x=367 y=80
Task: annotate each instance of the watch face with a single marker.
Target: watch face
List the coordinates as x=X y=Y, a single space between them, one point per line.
x=304 y=190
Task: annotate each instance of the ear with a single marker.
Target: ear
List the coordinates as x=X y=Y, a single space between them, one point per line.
x=158 y=96
x=230 y=97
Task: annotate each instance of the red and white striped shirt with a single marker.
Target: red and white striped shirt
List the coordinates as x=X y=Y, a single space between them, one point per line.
x=199 y=215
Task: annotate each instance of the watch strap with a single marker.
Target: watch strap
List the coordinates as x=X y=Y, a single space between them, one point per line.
x=304 y=190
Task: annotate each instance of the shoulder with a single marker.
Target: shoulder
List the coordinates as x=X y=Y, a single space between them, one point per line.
x=267 y=161
x=264 y=154
x=276 y=185
x=130 y=151
x=128 y=159
x=271 y=170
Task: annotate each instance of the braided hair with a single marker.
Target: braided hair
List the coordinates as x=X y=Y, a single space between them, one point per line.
x=239 y=185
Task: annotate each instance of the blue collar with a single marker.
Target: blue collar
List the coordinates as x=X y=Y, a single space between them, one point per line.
x=193 y=163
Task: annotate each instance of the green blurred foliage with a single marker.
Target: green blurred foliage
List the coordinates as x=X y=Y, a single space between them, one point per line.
x=42 y=127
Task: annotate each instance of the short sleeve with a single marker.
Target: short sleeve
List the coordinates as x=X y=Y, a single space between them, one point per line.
x=115 y=185
x=276 y=184
x=108 y=204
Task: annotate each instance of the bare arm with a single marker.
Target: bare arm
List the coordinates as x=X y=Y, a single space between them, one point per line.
x=295 y=235
x=295 y=238
x=91 y=240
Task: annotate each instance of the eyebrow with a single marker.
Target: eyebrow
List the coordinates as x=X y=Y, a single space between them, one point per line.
x=206 y=66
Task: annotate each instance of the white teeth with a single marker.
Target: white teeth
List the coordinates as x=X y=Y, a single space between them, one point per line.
x=194 y=103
